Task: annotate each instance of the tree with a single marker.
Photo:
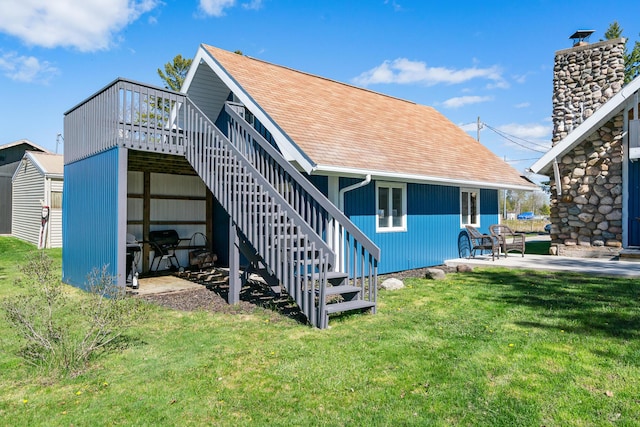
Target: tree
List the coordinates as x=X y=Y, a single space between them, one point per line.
x=613 y=32
x=632 y=59
x=176 y=72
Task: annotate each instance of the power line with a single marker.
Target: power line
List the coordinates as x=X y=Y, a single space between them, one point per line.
x=512 y=138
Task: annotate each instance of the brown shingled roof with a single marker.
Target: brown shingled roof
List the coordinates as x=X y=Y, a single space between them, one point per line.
x=344 y=126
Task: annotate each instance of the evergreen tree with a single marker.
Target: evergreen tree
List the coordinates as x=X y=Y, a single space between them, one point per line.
x=176 y=72
x=632 y=59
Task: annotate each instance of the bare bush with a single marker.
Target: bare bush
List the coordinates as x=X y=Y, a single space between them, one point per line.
x=62 y=333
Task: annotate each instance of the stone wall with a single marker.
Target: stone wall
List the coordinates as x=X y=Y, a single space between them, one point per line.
x=587 y=216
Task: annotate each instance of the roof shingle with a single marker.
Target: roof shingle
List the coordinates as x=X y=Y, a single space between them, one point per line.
x=344 y=126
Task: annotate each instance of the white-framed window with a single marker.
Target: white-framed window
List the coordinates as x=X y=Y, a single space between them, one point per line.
x=470 y=207
x=56 y=200
x=391 y=205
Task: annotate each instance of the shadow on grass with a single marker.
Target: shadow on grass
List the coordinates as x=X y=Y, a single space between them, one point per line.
x=259 y=294
x=574 y=303
x=537 y=247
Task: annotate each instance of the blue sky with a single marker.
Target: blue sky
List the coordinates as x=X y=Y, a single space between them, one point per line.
x=467 y=59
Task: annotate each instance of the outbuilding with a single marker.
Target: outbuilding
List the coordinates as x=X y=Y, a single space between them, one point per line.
x=37 y=199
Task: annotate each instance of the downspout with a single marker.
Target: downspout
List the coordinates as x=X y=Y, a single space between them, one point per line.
x=366 y=181
x=556 y=173
x=338 y=232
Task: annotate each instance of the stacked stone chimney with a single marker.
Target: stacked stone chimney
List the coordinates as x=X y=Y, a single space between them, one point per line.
x=586 y=215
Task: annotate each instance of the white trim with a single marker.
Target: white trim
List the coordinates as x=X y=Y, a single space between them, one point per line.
x=418 y=179
x=391 y=185
x=333 y=190
x=289 y=149
x=478 y=212
x=600 y=117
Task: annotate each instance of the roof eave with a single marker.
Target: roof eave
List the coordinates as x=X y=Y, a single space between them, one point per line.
x=422 y=179
x=600 y=117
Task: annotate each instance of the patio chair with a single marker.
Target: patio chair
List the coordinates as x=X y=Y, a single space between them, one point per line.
x=164 y=244
x=482 y=242
x=509 y=240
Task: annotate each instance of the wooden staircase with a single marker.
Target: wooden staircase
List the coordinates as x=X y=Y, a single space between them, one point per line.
x=286 y=228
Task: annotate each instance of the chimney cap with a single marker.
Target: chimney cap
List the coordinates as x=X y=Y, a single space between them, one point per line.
x=580 y=36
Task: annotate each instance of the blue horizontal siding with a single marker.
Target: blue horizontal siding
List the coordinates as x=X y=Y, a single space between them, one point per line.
x=90 y=217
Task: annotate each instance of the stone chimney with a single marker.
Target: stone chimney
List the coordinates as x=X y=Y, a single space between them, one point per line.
x=586 y=213
x=584 y=78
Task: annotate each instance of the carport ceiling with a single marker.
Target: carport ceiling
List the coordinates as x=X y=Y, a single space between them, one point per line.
x=144 y=161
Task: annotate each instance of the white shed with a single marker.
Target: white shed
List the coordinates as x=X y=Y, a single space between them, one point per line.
x=37 y=183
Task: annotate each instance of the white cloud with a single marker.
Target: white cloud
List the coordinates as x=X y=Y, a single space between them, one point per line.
x=26 y=68
x=395 y=5
x=527 y=131
x=216 y=7
x=405 y=71
x=253 y=5
x=87 y=25
x=523 y=105
x=461 y=101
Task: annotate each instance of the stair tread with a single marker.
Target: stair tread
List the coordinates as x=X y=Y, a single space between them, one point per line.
x=348 y=305
x=336 y=275
x=344 y=289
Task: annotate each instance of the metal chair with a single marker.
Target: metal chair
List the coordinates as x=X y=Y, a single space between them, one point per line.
x=164 y=244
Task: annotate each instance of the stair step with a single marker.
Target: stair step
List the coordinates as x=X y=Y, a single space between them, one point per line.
x=333 y=275
x=348 y=306
x=340 y=290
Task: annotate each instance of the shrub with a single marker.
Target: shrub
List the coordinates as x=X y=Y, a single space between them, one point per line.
x=62 y=332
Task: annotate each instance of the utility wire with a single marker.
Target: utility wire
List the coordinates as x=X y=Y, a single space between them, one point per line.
x=512 y=139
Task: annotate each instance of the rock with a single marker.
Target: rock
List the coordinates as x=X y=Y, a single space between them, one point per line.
x=464 y=268
x=392 y=284
x=435 y=274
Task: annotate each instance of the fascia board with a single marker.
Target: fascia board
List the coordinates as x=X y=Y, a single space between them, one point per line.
x=289 y=149
x=418 y=179
x=600 y=117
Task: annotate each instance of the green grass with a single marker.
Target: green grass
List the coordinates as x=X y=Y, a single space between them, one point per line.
x=537 y=247
x=494 y=347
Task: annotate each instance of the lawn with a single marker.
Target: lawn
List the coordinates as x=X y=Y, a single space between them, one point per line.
x=493 y=347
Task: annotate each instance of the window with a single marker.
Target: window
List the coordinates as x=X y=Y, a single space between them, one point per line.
x=469 y=207
x=391 y=202
x=56 y=200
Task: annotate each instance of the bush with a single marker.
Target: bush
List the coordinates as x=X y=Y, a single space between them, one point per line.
x=62 y=333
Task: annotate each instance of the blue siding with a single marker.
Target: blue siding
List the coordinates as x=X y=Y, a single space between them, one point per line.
x=90 y=217
x=320 y=182
x=488 y=209
x=433 y=224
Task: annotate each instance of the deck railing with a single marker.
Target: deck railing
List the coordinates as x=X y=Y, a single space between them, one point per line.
x=127 y=114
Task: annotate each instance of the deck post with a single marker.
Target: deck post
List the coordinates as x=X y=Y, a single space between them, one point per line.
x=234 y=264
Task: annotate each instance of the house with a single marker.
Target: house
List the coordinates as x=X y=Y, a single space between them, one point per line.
x=593 y=163
x=305 y=179
x=37 y=199
x=10 y=156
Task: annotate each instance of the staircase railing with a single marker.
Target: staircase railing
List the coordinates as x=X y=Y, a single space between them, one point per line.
x=355 y=253
x=289 y=247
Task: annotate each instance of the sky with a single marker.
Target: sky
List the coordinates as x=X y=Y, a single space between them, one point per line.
x=490 y=61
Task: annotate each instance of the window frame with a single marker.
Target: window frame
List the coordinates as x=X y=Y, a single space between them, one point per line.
x=390 y=186
x=469 y=214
